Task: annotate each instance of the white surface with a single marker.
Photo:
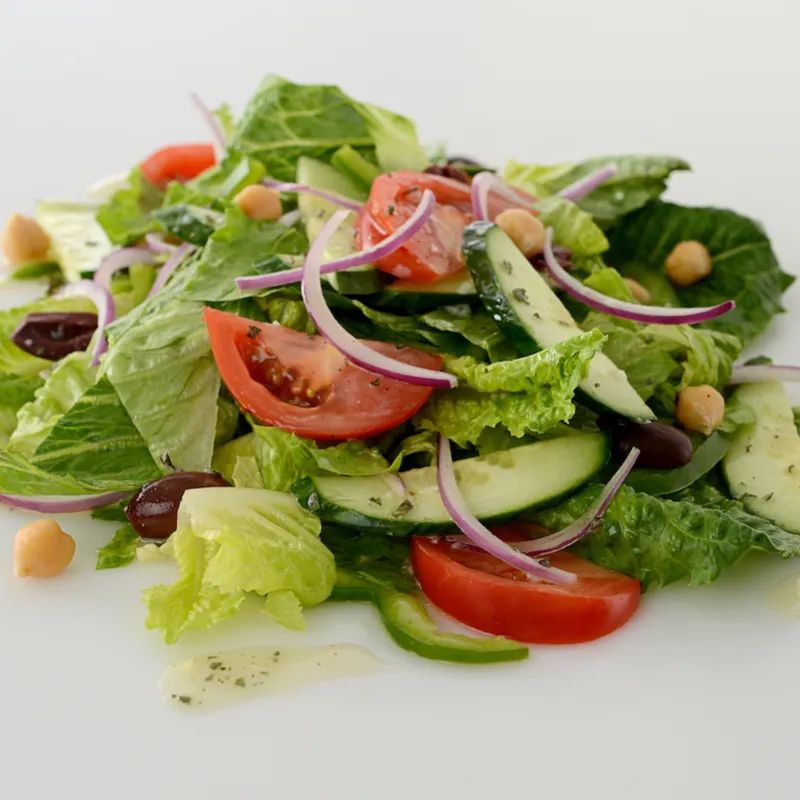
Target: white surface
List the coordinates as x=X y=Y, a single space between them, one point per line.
x=696 y=698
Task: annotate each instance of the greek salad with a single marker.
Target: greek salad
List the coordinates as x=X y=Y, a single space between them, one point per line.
x=314 y=361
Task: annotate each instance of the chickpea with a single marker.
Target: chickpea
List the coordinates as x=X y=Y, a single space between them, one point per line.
x=700 y=408
x=42 y=549
x=640 y=294
x=259 y=202
x=24 y=240
x=688 y=263
x=523 y=229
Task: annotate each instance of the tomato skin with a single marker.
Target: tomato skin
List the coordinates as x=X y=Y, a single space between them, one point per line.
x=178 y=162
x=355 y=403
x=435 y=251
x=484 y=593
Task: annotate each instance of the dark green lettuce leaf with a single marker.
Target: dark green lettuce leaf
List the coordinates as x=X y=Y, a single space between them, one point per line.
x=476 y=326
x=15 y=392
x=659 y=541
x=744 y=266
x=128 y=215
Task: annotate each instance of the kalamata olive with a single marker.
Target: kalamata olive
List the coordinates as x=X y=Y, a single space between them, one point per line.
x=54 y=336
x=661 y=445
x=449 y=171
x=153 y=510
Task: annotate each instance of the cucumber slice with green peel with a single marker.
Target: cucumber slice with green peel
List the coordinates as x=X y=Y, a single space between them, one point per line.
x=77 y=242
x=458 y=288
x=497 y=487
x=529 y=313
x=316 y=211
x=762 y=467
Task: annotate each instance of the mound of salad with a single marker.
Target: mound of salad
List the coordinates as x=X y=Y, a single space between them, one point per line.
x=314 y=361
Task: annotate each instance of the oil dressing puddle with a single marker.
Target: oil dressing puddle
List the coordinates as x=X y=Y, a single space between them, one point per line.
x=228 y=678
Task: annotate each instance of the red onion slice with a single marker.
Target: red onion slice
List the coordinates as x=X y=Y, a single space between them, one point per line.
x=157 y=244
x=587 y=522
x=106 y=311
x=578 y=190
x=290 y=188
x=218 y=138
x=478 y=533
x=762 y=373
x=391 y=243
x=351 y=348
x=621 y=309
x=481 y=184
x=120 y=259
x=175 y=260
x=62 y=505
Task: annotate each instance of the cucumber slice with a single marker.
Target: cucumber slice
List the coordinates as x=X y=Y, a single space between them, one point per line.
x=762 y=466
x=531 y=315
x=498 y=486
x=458 y=288
x=77 y=242
x=316 y=212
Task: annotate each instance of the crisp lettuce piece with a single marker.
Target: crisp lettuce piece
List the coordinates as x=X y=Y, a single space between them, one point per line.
x=128 y=215
x=476 y=326
x=226 y=179
x=19 y=476
x=637 y=180
x=395 y=137
x=233 y=541
x=70 y=378
x=15 y=392
x=572 y=227
x=284 y=606
x=744 y=267
x=17 y=362
x=526 y=395
x=120 y=551
x=608 y=281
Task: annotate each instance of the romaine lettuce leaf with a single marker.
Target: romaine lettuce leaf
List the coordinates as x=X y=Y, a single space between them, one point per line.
x=476 y=326
x=744 y=266
x=226 y=179
x=20 y=477
x=660 y=541
x=15 y=392
x=284 y=607
x=395 y=137
x=638 y=179
x=572 y=227
x=233 y=541
x=128 y=215
x=120 y=551
x=526 y=395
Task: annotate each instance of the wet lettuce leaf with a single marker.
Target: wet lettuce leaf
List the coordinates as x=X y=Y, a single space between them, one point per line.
x=573 y=227
x=744 y=267
x=638 y=179
x=15 y=392
x=226 y=179
x=128 y=215
x=189 y=222
x=693 y=537
x=526 y=395
x=476 y=326
x=120 y=551
x=233 y=541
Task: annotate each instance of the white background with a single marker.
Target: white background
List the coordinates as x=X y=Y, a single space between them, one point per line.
x=697 y=697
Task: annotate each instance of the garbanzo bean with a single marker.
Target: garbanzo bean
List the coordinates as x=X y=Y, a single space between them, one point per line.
x=24 y=240
x=700 y=409
x=688 y=263
x=523 y=229
x=259 y=202
x=640 y=294
x=42 y=549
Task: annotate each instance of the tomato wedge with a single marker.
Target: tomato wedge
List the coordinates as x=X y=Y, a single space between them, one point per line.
x=481 y=591
x=299 y=383
x=178 y=162
x=434 y=252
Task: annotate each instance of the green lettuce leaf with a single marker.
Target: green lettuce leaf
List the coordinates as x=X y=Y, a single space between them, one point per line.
x=608 y=281
x=15 y=392
x=638 y=179
x=120 y=551
x=226 y=179
x=233 y=541
x=526 y=395
x=189 y=222
x=744 y=266
x=572 y=227
x=17 y=362
x=19 y=476
x=476 y=326
x=284 y=607
x=659 y=541
x=395 y=137
x=128 y=215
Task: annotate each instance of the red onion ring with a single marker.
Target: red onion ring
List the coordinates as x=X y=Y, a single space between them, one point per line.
x=301 y=188
x=218 y=138
x=175 y=260
x=578 y=190
x=763 y=373
x=486 y=182
x=621 y=309
x=391 y=243
x=587 y=522
x=106 y=311
x=62 y=505
x=478 y=533
x=354 y=350
x=157 y=244
x=120 y=259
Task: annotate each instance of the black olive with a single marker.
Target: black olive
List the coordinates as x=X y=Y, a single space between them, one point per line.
x=661 y=445
x=54 y=336
x=153 y=510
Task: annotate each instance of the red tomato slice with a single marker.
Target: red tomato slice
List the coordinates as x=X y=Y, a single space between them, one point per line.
x=299 y=383
x=178 y=162
x=481 y=591
x=434 y=252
